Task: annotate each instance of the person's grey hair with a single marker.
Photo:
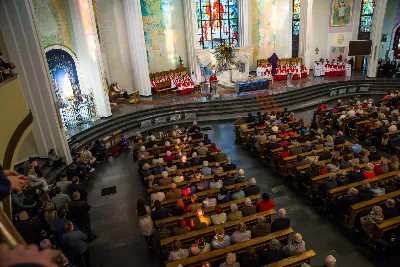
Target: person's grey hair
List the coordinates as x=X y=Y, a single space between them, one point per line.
x=230 y=258
x=390 y=203
x=228 y=160
x=330 y=261
x=247 y=202
x=274 y=245
x=142 y=148
x=352 y=192
x=305 y=265
x=282 y=213
x=219 y=149
x=296 y=144
x=356 y=141
x=261 y=220
x=252 y=181
x=372 y=149
x=146 y=166
x=332 y=176
x=234 y=208
x=45 y=244
x=205 y=163
x=194 y=155
x=297 y=238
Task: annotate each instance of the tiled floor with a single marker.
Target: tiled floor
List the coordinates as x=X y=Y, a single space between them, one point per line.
x=120 y=244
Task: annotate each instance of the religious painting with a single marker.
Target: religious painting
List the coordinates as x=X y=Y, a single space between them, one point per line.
x=217 y=23
x=272 y=28
x=341 y=12
x=159 y=34
x=338 y=50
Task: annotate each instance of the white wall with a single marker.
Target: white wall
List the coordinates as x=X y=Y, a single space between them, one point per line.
x=179 y=28
x=388 y=25
x=320 y=24
x=113 y=30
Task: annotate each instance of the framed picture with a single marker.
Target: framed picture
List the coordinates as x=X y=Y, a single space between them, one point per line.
x=338 y=50
x=341 y=12
x=384 y=38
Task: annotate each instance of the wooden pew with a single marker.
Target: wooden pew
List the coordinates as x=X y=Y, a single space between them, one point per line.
x=209 y=232
x=165 y=188
x=385 y=226
x=294 y=261
x=172 y=221
x=195 y=168
x=365 y=206
x=336 y=192
x=219 y=255
x=169 y=203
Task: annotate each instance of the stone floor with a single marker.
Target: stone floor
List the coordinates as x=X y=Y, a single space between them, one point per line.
x=120 y=244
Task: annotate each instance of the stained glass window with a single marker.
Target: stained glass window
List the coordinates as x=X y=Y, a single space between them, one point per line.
x=295 y=28
x=217 y=22
x=367 y=15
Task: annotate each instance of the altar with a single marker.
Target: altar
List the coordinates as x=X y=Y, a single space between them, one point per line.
x=253 y=84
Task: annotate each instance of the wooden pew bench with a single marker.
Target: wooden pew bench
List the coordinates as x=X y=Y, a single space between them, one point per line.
x=219 y=255
x=226 y=207
x=166 y=188
x=386 y=226
x=170 y=203
x=294 y=261
x=364 y=207
x=195 y=168
x=209 y=232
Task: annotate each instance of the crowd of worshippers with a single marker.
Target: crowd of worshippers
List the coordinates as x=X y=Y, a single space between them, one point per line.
x=51 y=216
x=57 y=215
x=387 y=69
x=383 y=117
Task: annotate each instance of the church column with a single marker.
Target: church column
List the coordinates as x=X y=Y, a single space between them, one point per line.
x=244 y=25
x=22 y=39
x=305 y=32
x=137 y=48
x=89 y=55
x=189 y=10
x=376 y=35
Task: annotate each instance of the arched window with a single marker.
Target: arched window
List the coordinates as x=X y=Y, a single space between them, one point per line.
x=217 y=22
x=366 y=18
x=295 y=28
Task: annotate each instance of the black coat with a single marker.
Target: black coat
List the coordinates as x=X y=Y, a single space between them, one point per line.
x=339 y=140
x=30 y=230
x=389 y=213
x=251 y=190
x=374 y=156
x=355 y=177
x=159 y=214
x=365 y=195
x=229 y=167
x=280 y=224
x=268 y=256
x=78 y=188
x=78 y=212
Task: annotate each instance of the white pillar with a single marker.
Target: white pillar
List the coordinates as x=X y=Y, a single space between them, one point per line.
x=24 y=46
x=244 y=26
x=89 y=54
x=305 y=32
x=189 y=11
x=376 y=35
x=137 y=48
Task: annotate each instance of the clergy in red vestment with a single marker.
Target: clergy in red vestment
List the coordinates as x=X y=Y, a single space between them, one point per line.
x=213 y=78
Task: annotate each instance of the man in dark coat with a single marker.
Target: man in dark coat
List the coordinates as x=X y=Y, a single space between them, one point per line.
x=280 y=223
x=78 y=212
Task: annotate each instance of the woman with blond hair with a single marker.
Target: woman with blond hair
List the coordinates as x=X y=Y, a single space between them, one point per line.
x=369 y=171
x=322 y=169
x=220 y=240
x=329 y=141
x=241 y=234
x=295 y=247
x=235 y=214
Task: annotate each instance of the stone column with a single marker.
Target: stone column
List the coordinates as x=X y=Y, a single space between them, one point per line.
x=22 y=39
x=137 y=48
x=244 y=25
x=189 y=11
x=305 y=41
x=89 y=54
x=376 y=35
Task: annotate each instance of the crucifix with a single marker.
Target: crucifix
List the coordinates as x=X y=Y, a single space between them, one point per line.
x=316 y=50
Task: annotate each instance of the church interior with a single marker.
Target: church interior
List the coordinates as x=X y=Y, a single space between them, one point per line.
x=206 y=133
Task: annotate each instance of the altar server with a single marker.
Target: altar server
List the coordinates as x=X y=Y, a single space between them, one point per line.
x=348 y=69
x=259 y=70
x=317 y=69
x=322 y=66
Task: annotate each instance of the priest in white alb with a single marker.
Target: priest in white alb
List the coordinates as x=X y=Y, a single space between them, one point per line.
x=317 y=69
x=348 y=68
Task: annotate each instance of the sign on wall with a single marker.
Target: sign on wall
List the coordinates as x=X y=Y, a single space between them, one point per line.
x=341 y=12
x=337 y=50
